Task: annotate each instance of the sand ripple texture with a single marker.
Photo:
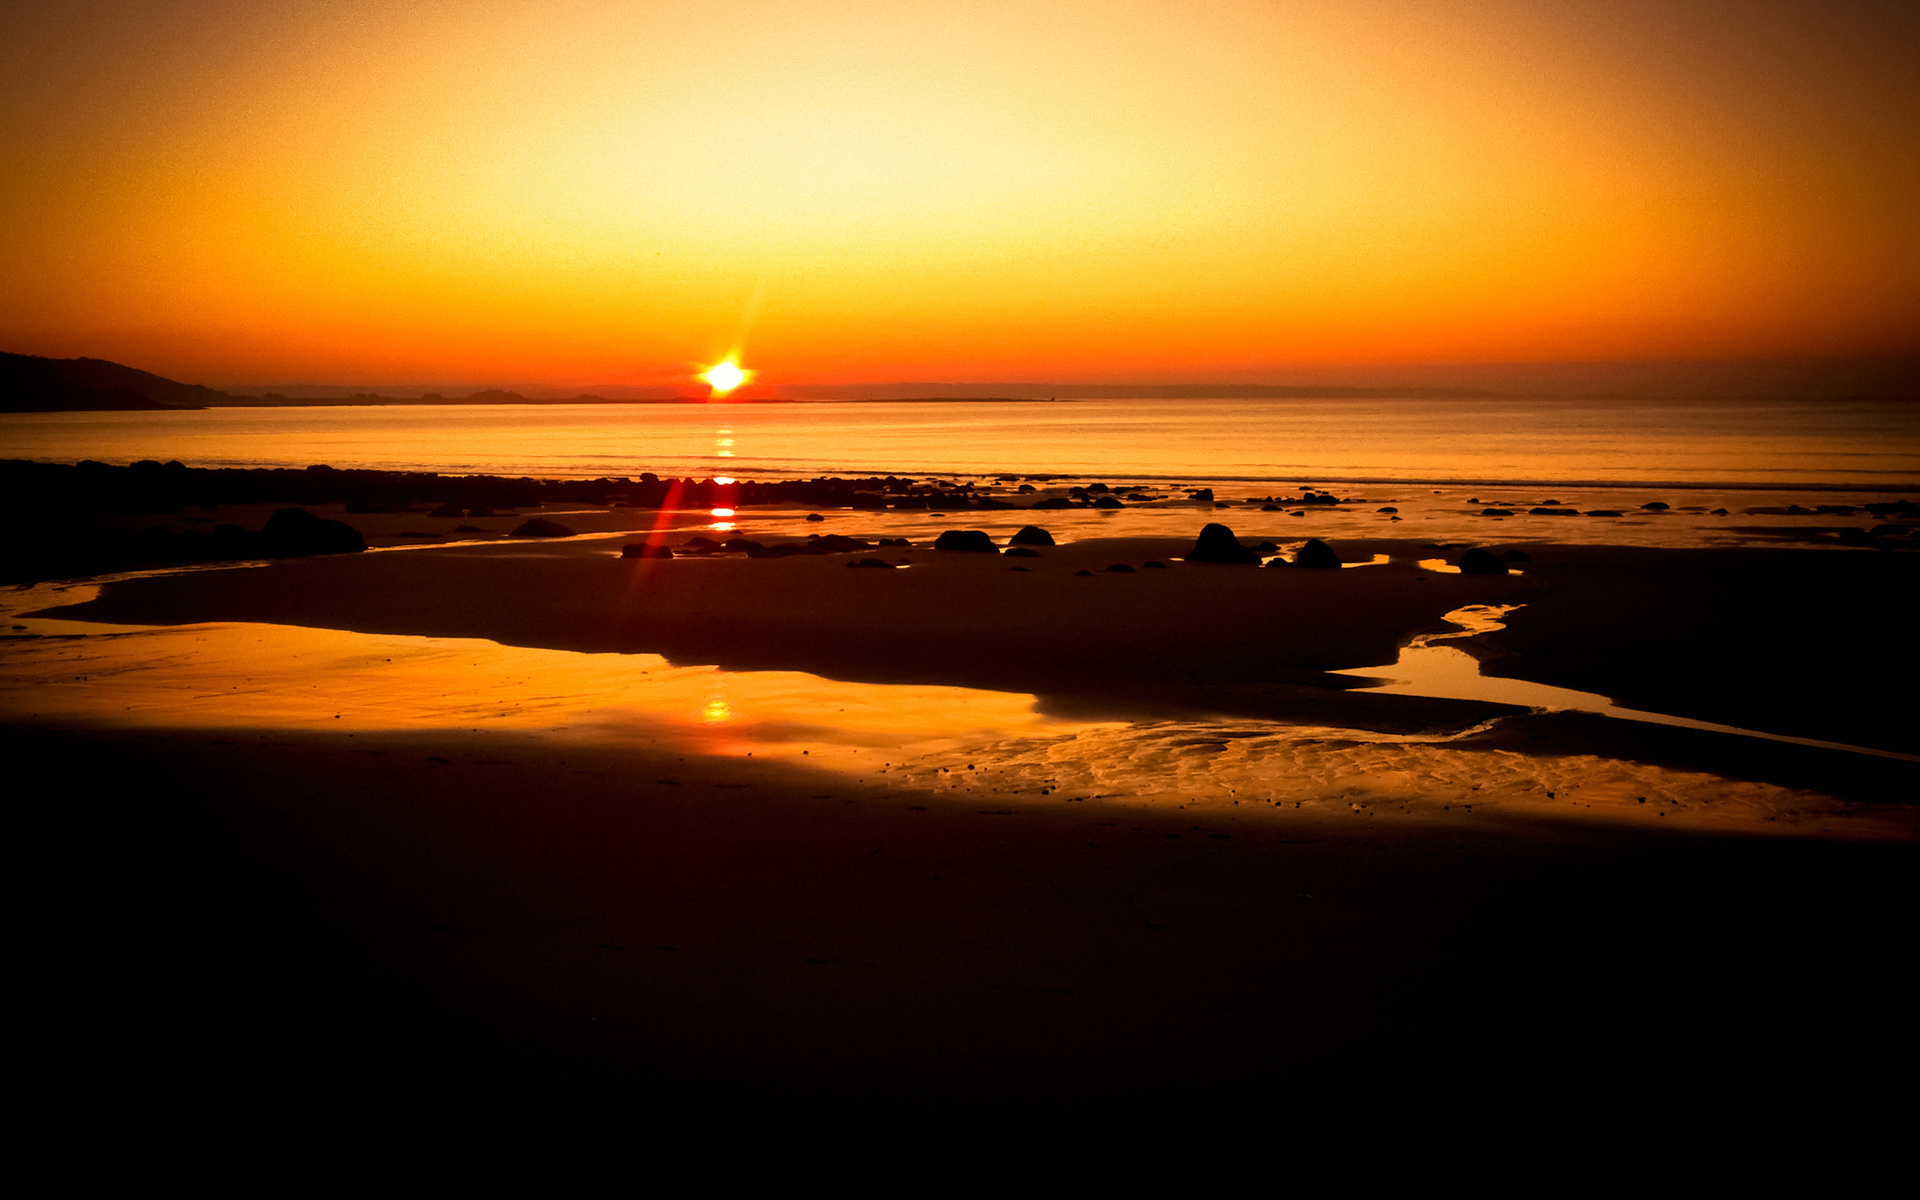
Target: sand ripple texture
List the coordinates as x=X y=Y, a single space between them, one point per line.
x=1214 y=765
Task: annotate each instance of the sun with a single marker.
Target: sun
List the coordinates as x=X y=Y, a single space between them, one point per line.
x=724 y=377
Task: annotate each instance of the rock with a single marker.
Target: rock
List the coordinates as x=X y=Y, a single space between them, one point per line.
x=1020 y=552
x=1496 y=512
x=645 y=550
x=971 y=540
x=293 y=531
x=1107 y=502
x=1217 y=544
x=1605 y=512
x=742 y=545
x=1316 y=553
x=541 y=527
x=835 y=543
x=1031 y=535
x=448 y=510
x=1388 y=509
x=1055 y=502
x=1552 y=512
x=1205 y=494
x=815 y=517
x=1481 y=562
x=1278 y=560
x=783 y=550
x=1655 y=506
x=1083 y=572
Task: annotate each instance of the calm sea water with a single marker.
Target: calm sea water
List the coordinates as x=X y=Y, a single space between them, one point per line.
x=1874 y=444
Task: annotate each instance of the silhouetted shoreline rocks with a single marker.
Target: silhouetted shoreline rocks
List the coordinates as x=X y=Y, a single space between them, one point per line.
x=971 y=540
x=1216 y=544
x=1317 y=555
x=1482 y=562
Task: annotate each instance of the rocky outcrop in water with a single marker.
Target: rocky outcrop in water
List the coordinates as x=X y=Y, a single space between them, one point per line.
x=970 y=540
x=1316 y=554
x=1481 y=562
x=1216 y=544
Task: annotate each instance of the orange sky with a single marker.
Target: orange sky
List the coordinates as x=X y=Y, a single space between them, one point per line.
x=596 y=191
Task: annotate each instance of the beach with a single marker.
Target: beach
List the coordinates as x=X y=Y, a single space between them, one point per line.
x=988 y=832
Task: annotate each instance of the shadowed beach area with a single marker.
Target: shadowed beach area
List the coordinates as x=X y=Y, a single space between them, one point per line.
x=482 y=817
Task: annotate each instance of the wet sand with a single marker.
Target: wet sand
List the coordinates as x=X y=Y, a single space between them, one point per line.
x=1217 y=880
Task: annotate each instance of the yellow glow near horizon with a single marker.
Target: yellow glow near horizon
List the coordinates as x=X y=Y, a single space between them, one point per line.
x=523 y=191
x=725 y=377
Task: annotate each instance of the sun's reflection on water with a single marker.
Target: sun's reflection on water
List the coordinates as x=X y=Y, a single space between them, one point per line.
x=289 y=678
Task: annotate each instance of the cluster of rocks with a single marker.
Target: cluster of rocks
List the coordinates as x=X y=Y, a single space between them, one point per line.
x=700 y=546
x=288 y=533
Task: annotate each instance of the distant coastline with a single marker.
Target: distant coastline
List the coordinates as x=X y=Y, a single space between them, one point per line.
x=30 y=383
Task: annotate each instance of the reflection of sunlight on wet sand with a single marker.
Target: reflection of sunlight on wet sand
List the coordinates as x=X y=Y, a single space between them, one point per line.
x=286 y=677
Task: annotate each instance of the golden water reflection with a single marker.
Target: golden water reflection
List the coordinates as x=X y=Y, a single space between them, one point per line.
x=232 y=676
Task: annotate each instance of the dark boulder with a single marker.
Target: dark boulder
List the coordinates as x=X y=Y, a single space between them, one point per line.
x=1481 y=562
x=836 y=543
x=294 y=531
x=1021 y=552
x=1496 y=512
x=1655 y=506
x=1217 y=544
x=815 y=517
x=541 y=527
x=965 y=539
x=645 y=550
x=1316 y=553
x=1031 y=535
x=1107 y=502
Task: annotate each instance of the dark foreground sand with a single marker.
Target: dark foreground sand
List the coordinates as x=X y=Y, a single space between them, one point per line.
x=477 y=915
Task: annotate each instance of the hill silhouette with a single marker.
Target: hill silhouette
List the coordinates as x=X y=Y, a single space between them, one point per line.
x=29 y=383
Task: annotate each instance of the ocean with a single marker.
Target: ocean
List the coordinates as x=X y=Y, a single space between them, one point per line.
x=1838 y=445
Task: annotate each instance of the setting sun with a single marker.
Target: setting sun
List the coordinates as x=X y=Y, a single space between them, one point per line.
x=724 y=377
